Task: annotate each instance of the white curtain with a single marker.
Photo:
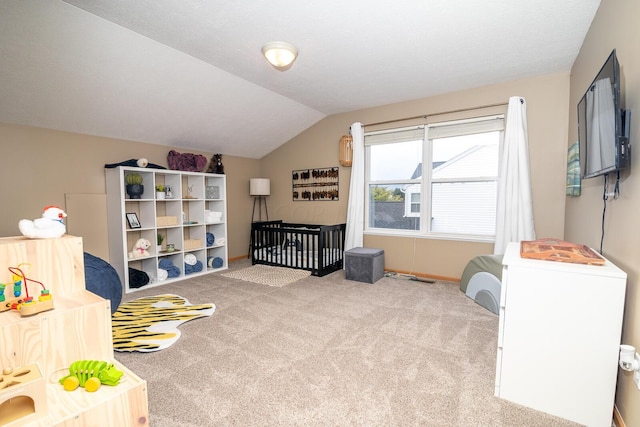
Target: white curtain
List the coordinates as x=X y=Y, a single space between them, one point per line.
x=514 y=216
x=355 y=209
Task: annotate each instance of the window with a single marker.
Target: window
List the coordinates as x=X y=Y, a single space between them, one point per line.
x=444 y=172
x=414 y=203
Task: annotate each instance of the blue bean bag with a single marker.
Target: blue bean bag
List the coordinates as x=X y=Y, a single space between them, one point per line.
x=102 y=279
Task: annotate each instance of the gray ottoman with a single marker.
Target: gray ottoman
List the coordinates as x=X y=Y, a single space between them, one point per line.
x=364 y=264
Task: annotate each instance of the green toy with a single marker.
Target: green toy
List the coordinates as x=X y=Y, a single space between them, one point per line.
x=90 y=374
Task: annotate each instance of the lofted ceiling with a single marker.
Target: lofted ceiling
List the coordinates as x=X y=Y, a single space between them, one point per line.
x=189 y=73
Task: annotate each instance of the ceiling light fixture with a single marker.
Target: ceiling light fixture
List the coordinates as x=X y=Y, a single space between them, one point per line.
x=280 y=54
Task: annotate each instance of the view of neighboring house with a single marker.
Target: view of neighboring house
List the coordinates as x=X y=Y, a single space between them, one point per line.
x=469 y=176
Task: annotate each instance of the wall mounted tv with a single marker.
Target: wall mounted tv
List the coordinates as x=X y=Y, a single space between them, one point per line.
x=603 y=124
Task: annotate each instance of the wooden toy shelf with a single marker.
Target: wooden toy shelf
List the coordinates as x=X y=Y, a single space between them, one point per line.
x=77 y=328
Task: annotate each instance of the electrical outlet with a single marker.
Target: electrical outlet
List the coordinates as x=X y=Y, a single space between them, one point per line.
x=636 y=374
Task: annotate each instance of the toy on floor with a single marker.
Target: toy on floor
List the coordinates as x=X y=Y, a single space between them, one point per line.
x=140 y=249
x=25 y=304
x=482 y=281
x=90 y=374
x=48 y=227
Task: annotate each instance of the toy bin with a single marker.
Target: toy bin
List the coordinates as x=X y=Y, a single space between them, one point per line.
x=364 y=264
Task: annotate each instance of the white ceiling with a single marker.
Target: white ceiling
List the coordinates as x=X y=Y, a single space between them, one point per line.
x=189 y=73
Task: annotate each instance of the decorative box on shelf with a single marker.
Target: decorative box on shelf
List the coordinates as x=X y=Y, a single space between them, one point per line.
x=192 y=244
x=164 y=221
x=212 y=192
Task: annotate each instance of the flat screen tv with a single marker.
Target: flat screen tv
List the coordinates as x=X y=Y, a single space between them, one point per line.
x=603 y=123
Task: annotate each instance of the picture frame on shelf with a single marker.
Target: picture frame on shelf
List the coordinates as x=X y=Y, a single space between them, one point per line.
x=132 y=220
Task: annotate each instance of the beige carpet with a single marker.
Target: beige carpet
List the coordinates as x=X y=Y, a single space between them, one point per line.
x=268 y=275
x=329 y=352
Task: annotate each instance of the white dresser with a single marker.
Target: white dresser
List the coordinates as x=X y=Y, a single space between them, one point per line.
x=559 y=337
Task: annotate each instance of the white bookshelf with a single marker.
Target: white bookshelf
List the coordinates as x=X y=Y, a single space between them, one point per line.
x=193 y=194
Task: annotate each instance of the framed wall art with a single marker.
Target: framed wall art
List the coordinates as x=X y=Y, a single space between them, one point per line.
x=573 y=170
x=315 y=184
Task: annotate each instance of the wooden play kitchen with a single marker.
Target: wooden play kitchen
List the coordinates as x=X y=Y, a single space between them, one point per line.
x=37 y=349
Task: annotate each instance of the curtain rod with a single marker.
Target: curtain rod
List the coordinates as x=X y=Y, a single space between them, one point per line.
x=424 y=116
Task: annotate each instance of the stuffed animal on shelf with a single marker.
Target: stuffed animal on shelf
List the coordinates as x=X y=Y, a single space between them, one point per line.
x=140 y=163
x=140 y=249
x=186 y=161
x=216 y=166
x=50 y=226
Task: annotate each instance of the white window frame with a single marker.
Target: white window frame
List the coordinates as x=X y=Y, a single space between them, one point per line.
x=431 y=131
x=409 y=203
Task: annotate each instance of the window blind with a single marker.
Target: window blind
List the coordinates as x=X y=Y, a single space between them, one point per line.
x=466 y=127
x=414 y=133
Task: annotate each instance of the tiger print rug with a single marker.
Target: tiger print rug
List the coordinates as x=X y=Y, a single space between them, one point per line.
x=151 y=323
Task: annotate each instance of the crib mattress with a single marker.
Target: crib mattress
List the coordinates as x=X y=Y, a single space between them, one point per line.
x=297 y=258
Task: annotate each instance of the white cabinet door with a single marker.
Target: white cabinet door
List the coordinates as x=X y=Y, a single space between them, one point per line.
x=560 y=332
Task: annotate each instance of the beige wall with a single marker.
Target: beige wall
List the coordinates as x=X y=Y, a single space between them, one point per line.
x=615 y=26
x=44 y=167
x=317 y=147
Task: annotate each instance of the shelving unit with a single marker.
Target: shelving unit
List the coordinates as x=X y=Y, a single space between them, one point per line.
x=184 y=220
x=45 y=344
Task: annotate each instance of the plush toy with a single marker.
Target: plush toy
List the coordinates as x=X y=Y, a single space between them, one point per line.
x=186 y=161
x=140 y=163
x=48 y=227
x=140 y=249
x=216 y=166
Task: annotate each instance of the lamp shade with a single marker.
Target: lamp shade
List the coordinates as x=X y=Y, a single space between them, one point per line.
x=259 y=186
x=346 y=150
